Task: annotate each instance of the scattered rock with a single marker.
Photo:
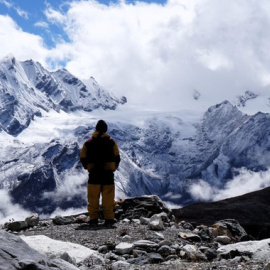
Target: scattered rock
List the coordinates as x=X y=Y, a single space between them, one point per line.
x=144 y=206
x=222 y=239
x=120 y=265
x=254 y=249
x=190 y=236
x=155 y=258
x=156 y=223
x=124 y=248
x=59 y=220
x=15 y=254
x=186 y=225
x=191 y=253
x=164 y=251
x=81 y=219
x=17 y=226
x=50 y=247
x=230 y=228
x=145 y=245
x=132 y=244
x=32 y=220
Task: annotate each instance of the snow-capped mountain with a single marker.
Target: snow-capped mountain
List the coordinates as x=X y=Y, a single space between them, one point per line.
x=163 y=154
x=27 y=90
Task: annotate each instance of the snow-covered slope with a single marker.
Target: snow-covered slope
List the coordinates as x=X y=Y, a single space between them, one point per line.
x=27 y=90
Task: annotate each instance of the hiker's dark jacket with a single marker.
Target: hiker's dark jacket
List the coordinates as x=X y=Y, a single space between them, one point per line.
x=100 y=156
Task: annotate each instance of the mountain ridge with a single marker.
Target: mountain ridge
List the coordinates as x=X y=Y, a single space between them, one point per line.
x=27 y=89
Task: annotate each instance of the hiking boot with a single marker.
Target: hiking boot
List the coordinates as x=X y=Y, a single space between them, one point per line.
x=109 y=222
x=93 y=222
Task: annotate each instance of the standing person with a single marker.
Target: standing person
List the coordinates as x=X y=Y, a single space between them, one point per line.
x=100 y=156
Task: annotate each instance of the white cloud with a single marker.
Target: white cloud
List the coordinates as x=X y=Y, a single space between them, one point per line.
x=6 y=3
x=10 y=211
x=42 y=24
x=19 y=11
x=160 y=53
x=156 y=54
x=19 y=43
x=247 y=181
x=69 y=187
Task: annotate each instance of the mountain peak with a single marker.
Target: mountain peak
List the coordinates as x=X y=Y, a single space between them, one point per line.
x=8 y=58
x=29 y=89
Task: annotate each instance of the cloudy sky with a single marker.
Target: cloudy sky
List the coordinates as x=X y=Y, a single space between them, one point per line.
x=157 y=53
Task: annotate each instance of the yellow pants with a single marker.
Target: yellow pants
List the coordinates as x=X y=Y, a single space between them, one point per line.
x=107 y=192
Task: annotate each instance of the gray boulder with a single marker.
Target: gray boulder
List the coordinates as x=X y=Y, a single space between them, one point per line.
x=144 y=206
x=156 y=223
x=32 y=220
x=230 y=228
x=15 y=254
x=17 y=226
x=258 y=250
x=59 y=220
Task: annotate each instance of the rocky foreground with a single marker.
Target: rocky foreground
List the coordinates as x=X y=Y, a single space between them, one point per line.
x=146 y=236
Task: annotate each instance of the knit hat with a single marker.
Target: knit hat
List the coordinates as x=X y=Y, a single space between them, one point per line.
x=101 y=126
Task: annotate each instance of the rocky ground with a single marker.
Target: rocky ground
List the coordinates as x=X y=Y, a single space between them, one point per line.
x=103 y=239
x=147 y=236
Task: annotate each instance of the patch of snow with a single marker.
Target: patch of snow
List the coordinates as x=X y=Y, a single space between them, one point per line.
x=50 y=247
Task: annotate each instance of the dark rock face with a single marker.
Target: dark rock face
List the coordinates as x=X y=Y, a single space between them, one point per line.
x=51 y=161
x=29 y=192
x=252 y=210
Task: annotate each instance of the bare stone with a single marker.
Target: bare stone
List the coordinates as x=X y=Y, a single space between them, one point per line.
x=124 y=248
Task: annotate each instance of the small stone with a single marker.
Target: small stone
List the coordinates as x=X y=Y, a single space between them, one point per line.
x=171 y=257
x=136 y=221
x=138 y=253
x=165 y=251
x=59 y=220
x=222 y=239
x=32 y=220
x=159 y=236
x=124 y=248
x=45 y=223
x=120 y=265
x=210 y=254
x=156 y=223
x=94 y=259
x=190 y=236
x=186 y=225
x=165 y=243
x=111 y=256
x=126 y=238
x=126 y=220
x=155 y=258
x=144 y=220
x=145 y=244
x=81 y=219
x=213 y=232
x=103 y=249
x=164 y=217
x=192 y=253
